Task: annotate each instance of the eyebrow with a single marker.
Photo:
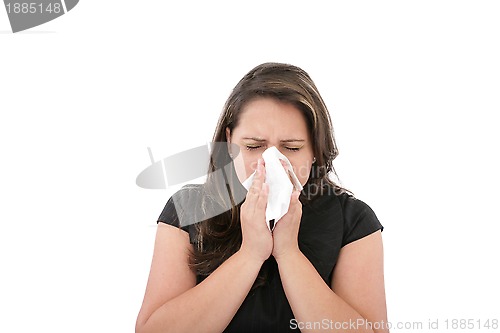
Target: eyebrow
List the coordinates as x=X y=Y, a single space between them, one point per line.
x=263 y=140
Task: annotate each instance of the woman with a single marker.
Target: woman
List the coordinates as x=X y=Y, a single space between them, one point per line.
x=216 y=265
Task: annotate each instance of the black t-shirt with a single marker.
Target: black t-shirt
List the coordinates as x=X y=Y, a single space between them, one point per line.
x=328 y=223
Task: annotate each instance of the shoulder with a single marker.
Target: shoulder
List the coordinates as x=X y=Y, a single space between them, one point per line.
x=358 y=217
x=353 y=216
x=188 y=196
x=181 y=206
x=353 y=207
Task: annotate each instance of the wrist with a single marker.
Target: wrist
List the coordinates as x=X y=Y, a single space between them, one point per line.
x=248 y=255
x=288 y=255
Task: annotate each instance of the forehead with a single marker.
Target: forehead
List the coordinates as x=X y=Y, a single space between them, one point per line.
x=270 y=116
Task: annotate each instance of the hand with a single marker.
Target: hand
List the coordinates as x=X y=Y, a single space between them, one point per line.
x=286 y=231
x=257 y=240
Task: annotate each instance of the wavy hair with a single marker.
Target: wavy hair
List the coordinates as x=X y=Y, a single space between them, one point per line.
x=218 y=237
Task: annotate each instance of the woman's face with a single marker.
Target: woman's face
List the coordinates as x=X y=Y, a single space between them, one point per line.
x=267 y=122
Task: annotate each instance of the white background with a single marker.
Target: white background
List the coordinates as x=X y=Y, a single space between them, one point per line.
x=412 y=86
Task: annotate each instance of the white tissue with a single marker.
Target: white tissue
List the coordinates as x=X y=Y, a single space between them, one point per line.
x=280 y=184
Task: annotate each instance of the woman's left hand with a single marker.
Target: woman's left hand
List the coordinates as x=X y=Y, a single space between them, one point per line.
x=286 y=231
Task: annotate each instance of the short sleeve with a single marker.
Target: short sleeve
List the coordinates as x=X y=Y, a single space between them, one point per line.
x=180 y=209
x=359 y=220
x=169 y=215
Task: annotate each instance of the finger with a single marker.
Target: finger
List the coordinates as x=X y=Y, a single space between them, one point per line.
x=261 y=168
x=262 y=200
x=294 y=201
x=284 y=165
x=256 y=187
x=259 y=174
x=294 y=198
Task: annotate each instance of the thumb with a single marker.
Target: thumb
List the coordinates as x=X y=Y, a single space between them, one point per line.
x=294 y=199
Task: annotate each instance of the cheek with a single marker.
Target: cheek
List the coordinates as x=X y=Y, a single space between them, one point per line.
x=302 y=171
x=301 y=167
x=245 y=164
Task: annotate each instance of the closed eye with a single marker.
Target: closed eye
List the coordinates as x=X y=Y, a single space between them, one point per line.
x=249 y=147
x=255 y=147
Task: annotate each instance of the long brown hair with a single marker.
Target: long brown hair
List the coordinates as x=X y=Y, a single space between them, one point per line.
x=219 y=237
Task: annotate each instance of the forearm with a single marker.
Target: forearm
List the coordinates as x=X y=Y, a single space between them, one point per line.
x=311 y=299
x=210 y=305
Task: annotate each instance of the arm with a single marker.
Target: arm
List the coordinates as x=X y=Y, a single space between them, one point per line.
x=174 y=303
x=357 y=288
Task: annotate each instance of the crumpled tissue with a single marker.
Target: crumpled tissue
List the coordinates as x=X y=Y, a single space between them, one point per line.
x=281 y=180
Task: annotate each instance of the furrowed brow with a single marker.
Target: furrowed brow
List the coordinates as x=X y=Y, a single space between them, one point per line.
x=255 y=139
x=292 y=140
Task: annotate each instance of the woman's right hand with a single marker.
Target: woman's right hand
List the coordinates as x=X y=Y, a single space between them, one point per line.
x=257 y=239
